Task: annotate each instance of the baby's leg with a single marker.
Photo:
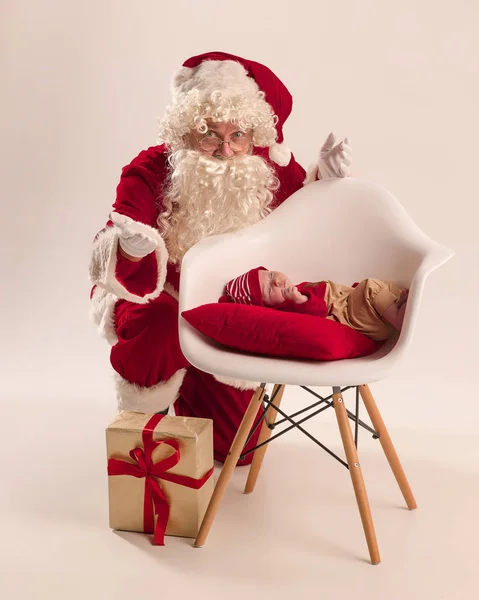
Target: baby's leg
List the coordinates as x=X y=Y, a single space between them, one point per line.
x=384 y=302
x=366 y=304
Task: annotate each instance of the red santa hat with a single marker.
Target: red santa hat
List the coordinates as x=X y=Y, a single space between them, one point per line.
x=219 y=71
x=245 y=289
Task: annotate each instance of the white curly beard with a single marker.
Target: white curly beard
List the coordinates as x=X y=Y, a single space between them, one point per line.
x=207 y=196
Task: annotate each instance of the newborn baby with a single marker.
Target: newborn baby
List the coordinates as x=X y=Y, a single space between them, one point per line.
x=375 y=308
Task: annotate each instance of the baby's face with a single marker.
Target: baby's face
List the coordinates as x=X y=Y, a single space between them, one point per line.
x=273 y=284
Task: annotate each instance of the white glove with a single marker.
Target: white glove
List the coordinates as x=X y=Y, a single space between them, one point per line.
x=133 y=241
x=334 y=161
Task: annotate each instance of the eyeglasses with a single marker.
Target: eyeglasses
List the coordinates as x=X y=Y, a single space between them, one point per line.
x=240 y=143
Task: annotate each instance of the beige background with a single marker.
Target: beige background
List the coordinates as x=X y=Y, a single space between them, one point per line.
x=84 y=83
x=82 y=86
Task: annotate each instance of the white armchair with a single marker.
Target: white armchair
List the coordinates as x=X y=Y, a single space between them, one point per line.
x=343 y=230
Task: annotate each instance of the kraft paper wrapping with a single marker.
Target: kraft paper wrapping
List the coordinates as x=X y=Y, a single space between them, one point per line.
x=126 y=493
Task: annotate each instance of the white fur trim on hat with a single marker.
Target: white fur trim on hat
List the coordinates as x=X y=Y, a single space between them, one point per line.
x=215 y=75
x=221 y=91
x=280 y=154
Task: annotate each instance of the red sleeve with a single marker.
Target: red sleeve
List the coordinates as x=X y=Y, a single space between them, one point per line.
x=297 y=176
x=291 y=177
x=291 y=180
x=315 y=306
x=140 y=185
x=138 y=196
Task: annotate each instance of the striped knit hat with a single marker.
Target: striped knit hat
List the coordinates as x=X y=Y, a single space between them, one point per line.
x=245 y=289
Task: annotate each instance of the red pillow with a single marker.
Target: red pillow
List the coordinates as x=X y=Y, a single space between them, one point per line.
x=261 y=330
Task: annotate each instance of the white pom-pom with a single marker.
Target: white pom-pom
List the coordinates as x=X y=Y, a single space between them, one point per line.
x=280 y=154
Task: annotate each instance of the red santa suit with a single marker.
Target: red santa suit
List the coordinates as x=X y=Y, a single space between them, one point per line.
x=135 y=304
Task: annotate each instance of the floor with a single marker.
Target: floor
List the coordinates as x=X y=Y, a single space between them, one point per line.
x=299 y=534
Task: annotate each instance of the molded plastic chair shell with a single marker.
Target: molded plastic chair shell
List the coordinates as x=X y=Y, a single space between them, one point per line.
x=344 y=230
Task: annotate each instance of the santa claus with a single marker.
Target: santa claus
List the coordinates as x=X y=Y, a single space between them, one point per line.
x=221 y=165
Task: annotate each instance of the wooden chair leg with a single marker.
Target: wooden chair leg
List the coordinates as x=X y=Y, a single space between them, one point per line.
x=229 y=465
x=387 y=446
x=264 y=435
x=356 y=476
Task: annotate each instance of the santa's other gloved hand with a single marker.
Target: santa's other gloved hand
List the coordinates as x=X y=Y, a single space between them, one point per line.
x=135 y=243
x=334 y=159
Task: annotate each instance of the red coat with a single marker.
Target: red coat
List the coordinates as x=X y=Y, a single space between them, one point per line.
x=139 y=195
x=146 y=355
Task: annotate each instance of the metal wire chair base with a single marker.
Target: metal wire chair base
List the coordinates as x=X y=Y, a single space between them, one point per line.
x=267 y=402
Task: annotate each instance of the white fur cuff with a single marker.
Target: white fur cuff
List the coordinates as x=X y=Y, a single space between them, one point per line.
x=239 y=384
x=103 y=264
x=102 y=313
x=148 y=400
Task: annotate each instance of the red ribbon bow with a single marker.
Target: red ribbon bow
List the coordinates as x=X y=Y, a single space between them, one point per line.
x=155 y=501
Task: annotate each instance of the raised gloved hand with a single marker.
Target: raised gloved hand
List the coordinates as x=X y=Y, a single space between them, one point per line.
x=334 y=160
x=134 y=241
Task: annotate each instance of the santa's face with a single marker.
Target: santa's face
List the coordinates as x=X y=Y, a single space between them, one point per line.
x=212 y=191
x=221 y=140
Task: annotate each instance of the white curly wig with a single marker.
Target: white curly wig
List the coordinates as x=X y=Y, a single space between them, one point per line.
x=220 y=91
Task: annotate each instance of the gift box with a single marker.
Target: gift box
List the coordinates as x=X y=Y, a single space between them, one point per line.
x=160 y=473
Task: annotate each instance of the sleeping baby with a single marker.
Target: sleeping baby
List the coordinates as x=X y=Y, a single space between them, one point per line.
x=373 y=307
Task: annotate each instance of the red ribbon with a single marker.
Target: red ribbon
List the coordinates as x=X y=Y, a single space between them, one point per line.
x=155 y=501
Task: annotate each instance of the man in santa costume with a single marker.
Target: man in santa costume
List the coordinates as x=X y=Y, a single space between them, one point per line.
x=221 y=166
